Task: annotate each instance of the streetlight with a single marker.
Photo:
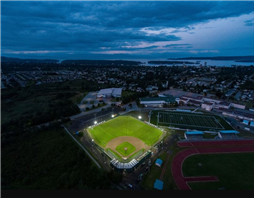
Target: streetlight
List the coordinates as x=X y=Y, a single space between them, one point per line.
x=112 y=113
x=95 y=122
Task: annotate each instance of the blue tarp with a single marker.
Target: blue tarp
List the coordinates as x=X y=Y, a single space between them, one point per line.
x=228 y=131
x=158 y=184
x=194 y=132
x=77 y=132
x=158 y=161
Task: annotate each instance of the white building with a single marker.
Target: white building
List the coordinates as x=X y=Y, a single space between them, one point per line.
x=107 y=93
x=208 y=106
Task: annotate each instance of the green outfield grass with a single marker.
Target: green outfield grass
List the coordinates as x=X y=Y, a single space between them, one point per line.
x=125 y=126
x=234 y=170
x=121 y=148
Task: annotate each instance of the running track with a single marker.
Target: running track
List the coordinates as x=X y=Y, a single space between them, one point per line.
x=215 y=143
x=176 y=167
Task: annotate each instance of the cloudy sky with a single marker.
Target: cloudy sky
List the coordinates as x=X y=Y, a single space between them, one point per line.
x=126 y=29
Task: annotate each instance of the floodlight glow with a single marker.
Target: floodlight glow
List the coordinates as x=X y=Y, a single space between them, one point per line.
x=139 y=117
x=112 y=116
x=95 y=122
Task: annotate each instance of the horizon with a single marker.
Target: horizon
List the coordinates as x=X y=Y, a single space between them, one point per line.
x=126 y=30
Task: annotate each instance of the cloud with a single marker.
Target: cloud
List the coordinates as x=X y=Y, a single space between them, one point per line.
x=249 y=22
x=84 y=28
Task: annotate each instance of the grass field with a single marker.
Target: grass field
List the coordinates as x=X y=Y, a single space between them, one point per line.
x=125 y=145
x=189 y=120
x=125 y=126
x=235 y=171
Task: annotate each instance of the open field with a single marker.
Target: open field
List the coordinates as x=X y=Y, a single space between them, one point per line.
x=124 y=126
x=234 y=171
x=189 y=120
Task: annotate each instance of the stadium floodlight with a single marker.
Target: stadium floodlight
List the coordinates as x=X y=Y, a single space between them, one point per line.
x=139 y=117
x=112 y=116
x=95 y=122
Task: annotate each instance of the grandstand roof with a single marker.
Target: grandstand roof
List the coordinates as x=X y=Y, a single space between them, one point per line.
x=228 y=131
x=158 y=184
x=193 y=132
x=246 y=121
x=166 y=99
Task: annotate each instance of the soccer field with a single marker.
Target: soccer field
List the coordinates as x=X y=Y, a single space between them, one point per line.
x=196 y=120
x=125 y=126
x=186 y=120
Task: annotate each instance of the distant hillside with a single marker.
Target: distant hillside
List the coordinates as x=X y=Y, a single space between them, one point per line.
x=170 y=62
x=101 y=62
x=19 y=60
x=234 y=58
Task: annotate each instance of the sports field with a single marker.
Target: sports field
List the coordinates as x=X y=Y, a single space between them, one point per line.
x=124 y=126
x=189 y=120
x=234 y=171
x=125 y=148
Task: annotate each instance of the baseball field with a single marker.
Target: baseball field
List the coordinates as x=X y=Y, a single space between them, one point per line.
x=125 y=135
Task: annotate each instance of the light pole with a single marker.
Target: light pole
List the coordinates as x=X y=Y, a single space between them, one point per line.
x=95 y=122
x=112 y=112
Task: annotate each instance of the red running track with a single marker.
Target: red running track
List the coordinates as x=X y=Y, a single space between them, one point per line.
x=176 y=167
x=215 y=143
x=203 y=178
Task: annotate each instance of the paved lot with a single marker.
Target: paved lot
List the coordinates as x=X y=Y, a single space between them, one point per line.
x=91 y=96
x=84 y=121
x=178 y=93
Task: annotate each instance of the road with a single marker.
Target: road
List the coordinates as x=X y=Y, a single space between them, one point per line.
x=81 y=122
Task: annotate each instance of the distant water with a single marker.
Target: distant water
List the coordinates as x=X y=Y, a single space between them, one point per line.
x=218 y=63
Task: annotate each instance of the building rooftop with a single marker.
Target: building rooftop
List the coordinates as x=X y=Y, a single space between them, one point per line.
x=194 y=133
x=166 y=99
x=158 y=184
x=228 y=131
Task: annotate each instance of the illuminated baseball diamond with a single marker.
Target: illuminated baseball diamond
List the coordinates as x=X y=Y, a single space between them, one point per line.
x=126 y=140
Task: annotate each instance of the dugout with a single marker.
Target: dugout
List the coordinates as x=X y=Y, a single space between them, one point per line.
x=193 y=135
x=228 y=134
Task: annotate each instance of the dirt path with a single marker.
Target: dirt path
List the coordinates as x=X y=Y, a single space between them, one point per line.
x=139 y=144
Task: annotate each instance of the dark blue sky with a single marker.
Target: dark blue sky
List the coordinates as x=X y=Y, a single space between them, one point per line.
x=126 y=29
